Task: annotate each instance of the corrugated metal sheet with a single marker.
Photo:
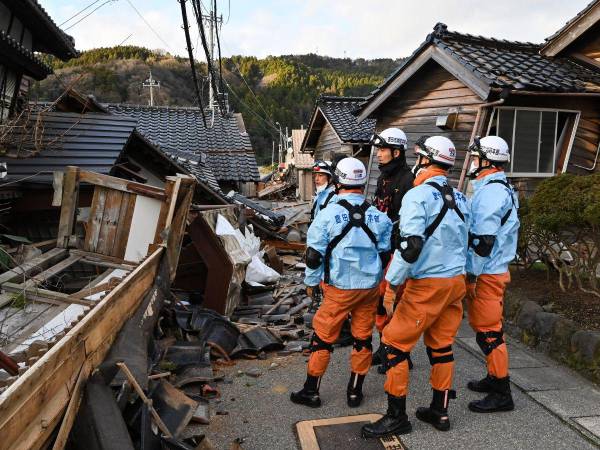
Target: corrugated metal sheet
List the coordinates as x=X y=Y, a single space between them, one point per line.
x=91 y=141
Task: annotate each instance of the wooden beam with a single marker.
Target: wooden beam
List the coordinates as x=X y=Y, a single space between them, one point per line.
x=44 y=276
x=44 y=295
x=573 y=31
x=32 y=406
x=70 y=197
x=107 y=286
x=282 y=245
x=121 y=185
x=72 y=408
x=36 y=264
x=57 y=183
x=91 y=257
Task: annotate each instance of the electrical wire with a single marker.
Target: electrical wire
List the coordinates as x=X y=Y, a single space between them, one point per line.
x=249 y=108
x=79 y=12
x=43 y=172
x=148 y=25
x=218 y=44
x=89 y=14
x=186 y=29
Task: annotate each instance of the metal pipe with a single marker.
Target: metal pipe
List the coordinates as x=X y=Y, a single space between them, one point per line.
x=591 y=169
x=480 y=110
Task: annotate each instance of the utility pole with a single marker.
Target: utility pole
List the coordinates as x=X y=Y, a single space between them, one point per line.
x=212 y=30
x=151 y=83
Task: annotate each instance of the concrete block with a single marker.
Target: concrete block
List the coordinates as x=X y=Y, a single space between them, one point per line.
x=526 y=318
x=591 y=424
x=567 y=404
x=544 y=324
x=562 y=333
x=587 y=344
x=544 y=378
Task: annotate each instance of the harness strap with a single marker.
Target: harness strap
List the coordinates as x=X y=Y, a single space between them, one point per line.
x=488 y=347
x=356 y=219
x=327 y=200
x=316 y=344
x=359 y=344
x=449 y=203
x=440 y=359
x=512 y=199
x=398 y=357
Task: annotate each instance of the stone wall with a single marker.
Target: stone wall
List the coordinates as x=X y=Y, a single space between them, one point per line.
x=553 y=334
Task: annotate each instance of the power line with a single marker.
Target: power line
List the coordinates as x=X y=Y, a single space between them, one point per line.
x=89 y=14
x=79 y=12
x=243 y=103
x=149 y=26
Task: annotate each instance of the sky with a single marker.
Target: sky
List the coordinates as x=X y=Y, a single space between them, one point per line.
x=340 y=28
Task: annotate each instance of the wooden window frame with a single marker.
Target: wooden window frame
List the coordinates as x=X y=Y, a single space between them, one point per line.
x=556 y=158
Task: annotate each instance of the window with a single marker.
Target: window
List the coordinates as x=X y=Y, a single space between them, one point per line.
x=8 y=89
x=537 y=138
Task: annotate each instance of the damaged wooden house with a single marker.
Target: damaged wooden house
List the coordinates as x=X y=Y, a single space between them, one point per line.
x=542 y=99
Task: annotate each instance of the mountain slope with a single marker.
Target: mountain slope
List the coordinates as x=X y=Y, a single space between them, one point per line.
x=285 y=87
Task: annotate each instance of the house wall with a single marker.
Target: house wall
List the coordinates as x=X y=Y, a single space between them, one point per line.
x=305 y=184
x=431 y=92
x=587 y=135
x=327 y=144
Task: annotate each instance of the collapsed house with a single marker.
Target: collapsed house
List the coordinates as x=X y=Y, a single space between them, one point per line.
x=542 y=99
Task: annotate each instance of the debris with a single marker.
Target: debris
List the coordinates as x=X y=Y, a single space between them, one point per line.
x=273 y=366
x=202 y=414
x=254 y=373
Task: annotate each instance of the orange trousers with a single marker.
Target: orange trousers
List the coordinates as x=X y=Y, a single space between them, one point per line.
x=484 y=307
x=381 y=319
x=431 y=307
x=328 y=320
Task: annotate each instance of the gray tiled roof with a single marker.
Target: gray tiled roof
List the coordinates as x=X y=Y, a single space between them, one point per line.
x=196 y=164
x=91 y=141
x=229 y=151
x=505 y=64
x=339 y=113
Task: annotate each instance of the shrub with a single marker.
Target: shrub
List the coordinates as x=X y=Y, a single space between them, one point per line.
x=560 y=224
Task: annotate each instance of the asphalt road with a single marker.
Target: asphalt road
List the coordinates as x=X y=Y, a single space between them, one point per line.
x=259 y=410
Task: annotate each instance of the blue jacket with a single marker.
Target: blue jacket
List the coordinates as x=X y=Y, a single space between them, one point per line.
x=489 y=203
x=444 y=253
x=320 y=199
x=355 y=262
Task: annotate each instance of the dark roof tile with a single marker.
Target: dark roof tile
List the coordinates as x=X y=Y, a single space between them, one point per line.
x=339 y=112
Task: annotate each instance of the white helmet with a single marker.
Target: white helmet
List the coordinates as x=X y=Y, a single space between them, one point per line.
x=438 y=149
x=390 y=137
x=322 y=167
x=492 y=148
x=351 y=172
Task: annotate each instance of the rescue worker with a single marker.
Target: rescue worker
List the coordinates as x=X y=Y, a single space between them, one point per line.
x=343 y=251
x=431 y=260
x=493 y=238
x=395 y=180
x=325 y=190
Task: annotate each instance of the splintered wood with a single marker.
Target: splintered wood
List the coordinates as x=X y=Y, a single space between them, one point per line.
x=63 y=337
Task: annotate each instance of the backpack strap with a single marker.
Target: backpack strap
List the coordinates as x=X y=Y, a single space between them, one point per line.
x=326 y=202
x=512 y=199
x=447 y=194
x=356 y=214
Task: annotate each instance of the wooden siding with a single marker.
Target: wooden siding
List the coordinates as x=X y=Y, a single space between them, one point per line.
x=431 y=92
x=328 y=143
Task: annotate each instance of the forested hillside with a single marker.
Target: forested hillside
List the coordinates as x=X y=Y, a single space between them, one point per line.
x=274 y=89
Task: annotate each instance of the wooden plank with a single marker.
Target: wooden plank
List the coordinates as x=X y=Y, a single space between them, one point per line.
x=43 y=295
x=70 y=198
x=37 y=264
x=72 y=408
x=106 y=286
x=177 y=227
x=51 y=271
x=121 y=185
x=26 y=398
x=96 y=256
x=282 y=245
x=57 y=184
x=171 y=189
x=108 y=228
x=92 y=232
x=125 y=217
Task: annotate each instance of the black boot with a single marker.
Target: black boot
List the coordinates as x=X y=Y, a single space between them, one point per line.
x=395 y=420
x=354 y=393
x=309 y=395
x=483 y=385
x=437 y=413
x=499 y=399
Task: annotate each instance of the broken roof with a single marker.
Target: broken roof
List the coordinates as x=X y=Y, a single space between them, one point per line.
x=91 y=141
x=302 y=160
x=339 y=112
x=486 y=63
x=573 y=29
x=229 y=150
x=49 y=38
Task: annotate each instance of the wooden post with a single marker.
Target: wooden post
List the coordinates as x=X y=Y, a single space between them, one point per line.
x=70 y=198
